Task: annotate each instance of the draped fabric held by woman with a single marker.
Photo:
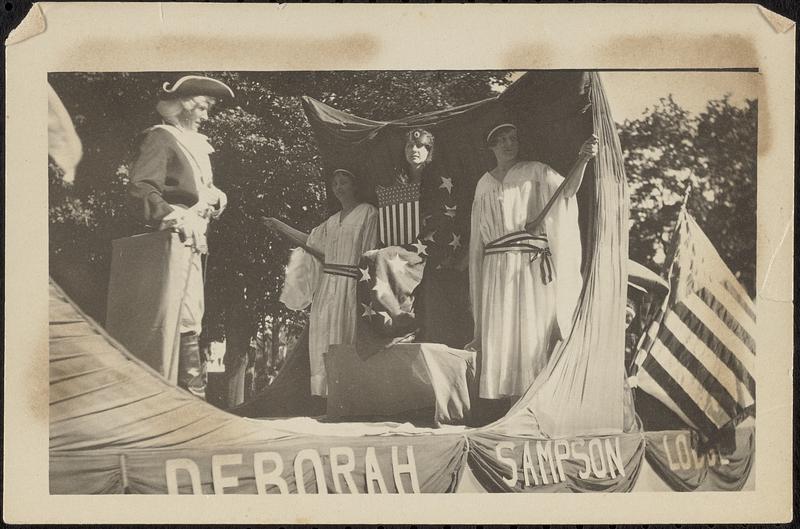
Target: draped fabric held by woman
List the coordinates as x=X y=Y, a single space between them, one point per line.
x=523 y=302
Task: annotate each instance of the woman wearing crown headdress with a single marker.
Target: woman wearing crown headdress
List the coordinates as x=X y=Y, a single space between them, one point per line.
x=421 y=228
x=172 y=187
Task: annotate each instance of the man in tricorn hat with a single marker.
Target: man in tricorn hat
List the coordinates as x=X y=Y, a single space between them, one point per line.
x=173 y=189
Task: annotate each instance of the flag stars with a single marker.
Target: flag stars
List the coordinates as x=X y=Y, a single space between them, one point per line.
x=422 y=249
x=364 y=274
x=381 y=288
x=450 y=211
x=396 y=263
x=447 y=183
x=456 y=242
x=369 y=312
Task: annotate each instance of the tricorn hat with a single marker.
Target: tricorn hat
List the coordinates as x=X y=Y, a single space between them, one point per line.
x=195 y=85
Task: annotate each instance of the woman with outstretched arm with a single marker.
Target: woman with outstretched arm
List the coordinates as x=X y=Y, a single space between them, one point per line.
x=336 y=246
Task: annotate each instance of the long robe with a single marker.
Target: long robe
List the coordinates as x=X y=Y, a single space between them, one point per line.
x=518 y=316
x=334 y=304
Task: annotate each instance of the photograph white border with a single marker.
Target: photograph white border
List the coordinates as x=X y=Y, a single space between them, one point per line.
x=206 y=37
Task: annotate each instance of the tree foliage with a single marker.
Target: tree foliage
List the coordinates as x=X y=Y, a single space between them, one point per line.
x=266 y=160
x=667 y=151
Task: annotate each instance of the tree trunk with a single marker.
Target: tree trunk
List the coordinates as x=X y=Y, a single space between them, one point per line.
x=237 y=347
x=275 y=342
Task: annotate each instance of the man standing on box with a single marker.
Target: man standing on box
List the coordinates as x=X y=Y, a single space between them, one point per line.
x=173 y=189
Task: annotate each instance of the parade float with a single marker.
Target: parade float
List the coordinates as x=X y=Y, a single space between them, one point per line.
x=117 y=425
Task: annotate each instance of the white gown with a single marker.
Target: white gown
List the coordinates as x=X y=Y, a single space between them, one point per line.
x=334 y=305
x=518 y=315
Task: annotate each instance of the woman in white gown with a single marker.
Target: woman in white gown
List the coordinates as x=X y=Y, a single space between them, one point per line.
x=325 y=271
x=524 y=271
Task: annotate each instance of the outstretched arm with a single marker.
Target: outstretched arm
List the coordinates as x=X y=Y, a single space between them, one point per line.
x=294 y=235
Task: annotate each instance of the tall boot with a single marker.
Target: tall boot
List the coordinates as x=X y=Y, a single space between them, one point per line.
x=191 y=368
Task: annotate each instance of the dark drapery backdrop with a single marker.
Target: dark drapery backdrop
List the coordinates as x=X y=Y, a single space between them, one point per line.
x=551 y=110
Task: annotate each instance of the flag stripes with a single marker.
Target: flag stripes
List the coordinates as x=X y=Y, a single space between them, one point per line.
x=647 y=384
x=733 y=307
x=710 y=324
x=414 y=226
x=698 y=354
x=688 y=407
x=399 y=224
x=709 y=359
x=694 y=387
x=724 y=397
x=744 y=301
x=399 y=215
x=382 y=224
x=712 y=342
x=393 y=235
x=650 y=336
x=723 y=314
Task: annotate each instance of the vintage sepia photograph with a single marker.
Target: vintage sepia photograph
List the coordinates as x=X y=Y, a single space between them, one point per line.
x=415 y=281
x=271 y=250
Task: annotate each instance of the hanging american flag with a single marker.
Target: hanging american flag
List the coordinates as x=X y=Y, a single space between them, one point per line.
x=398 y=209
x=698 y=356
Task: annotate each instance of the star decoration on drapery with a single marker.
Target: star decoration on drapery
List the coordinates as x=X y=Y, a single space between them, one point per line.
x=382 y=288
x=369 y=312
x=421 y=248
x=447 y=183
x=450 y=211
x=456 y=242
x=364 y=274
x=397 y=263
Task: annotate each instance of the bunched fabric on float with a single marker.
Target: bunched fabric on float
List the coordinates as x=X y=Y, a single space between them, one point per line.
x=582 y=464
x=581 y=390
x=675 y=460
x=117 y=427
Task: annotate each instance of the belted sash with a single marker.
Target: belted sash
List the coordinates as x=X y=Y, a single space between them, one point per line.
x=350 y=271
x=524 y=242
